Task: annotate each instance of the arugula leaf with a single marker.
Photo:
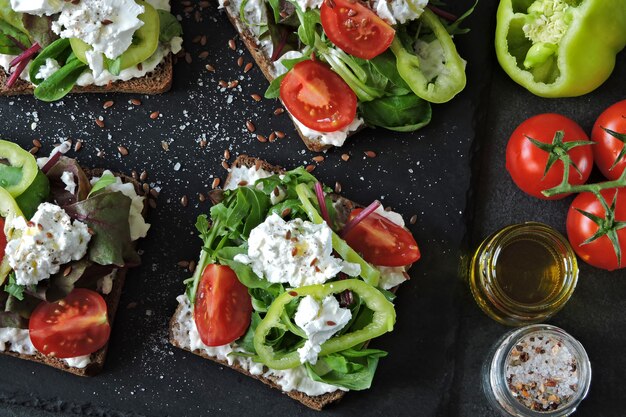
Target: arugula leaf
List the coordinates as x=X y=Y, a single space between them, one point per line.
x=309 y=21
x=170 y=26
x=14 y=289
x=400 y=113
x=352 y=369
x=246 y=342
x=244 y=272
x=107 y=215
x=102 y=183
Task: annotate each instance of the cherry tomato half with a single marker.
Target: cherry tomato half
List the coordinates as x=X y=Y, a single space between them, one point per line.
x=74 y=326
x=526 y=163
x=318 y=97
x=355 y=28
x=609 y=145
x=600 y=252
x=223 y=306
x=382 y=242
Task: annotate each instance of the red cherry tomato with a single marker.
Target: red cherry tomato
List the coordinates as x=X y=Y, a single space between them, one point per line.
x=319 y=98
x=355 y=28
x=3 y=239
x=526 y=163
x=608 y=151
x=599 y=253
x=382 y=242
x=223 y=306
x=74 y=326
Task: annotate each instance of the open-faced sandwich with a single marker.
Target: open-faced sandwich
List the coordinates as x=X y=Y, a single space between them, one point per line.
x=293 y=282
x=53 y=47
x=338 y=65
x=67 y=239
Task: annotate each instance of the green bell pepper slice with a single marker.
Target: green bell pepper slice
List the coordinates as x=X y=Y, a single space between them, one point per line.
x=383 y=320
x=560 y=48
x=18 y=168
x=8 y=211
x=449 y=80
x=370 y=274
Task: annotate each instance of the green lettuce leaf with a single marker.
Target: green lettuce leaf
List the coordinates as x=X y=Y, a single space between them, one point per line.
x=352 y=369
x=58 y=192
x=170 y=26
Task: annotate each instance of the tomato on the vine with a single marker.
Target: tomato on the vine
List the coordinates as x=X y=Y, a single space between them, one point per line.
x=596 y=234
x=538 y=149
x=355 y=28
x=223 y=307
x=609 y=133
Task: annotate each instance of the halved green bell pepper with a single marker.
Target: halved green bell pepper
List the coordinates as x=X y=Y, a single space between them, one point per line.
x=18 y=168
x=560 y=48
x=383 y=320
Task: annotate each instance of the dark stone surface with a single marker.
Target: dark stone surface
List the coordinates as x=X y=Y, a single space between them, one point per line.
x=441 y=337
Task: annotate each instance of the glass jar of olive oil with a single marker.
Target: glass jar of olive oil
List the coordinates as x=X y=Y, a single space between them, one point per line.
x=523 y=274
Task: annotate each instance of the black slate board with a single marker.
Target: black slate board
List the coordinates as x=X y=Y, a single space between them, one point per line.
x=441 y=337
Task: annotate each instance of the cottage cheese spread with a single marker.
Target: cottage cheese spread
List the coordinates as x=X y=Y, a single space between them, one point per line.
x=296 y=252
x=41 y=245
x=320 y=321
x=399 y=11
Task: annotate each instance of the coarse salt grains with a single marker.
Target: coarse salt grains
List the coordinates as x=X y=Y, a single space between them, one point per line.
x=537 y=369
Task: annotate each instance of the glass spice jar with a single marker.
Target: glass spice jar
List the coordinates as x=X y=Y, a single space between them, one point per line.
x=523 y=274
x=537 y=371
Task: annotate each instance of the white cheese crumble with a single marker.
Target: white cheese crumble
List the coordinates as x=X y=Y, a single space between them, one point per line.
x=309 y=4
x=138 y=226
x=336 y=138
x=319 y=322
x=399 y=11
x=50 y=67
x=296 y=252
x=391 y=276
x=40 y=246
x=37 y=7
x=70 y=183
x=107 y=25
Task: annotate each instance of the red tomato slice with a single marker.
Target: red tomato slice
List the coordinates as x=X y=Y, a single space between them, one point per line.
x=609 y=147
x=355 y=28
x=3 y=239
x=382 y=242
x=74 y=326
x=319 y=98
x=223 y=306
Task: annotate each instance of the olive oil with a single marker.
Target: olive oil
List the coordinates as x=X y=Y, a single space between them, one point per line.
x=523 y=274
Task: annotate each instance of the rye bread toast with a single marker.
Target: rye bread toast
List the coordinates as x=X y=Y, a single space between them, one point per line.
x=112 y=300
x=318 y=402
x=264 y=62
x=155 y=82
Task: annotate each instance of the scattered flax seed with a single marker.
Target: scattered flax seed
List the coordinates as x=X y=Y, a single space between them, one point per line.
x=154 y=115
x=34 y=150
x=222 y=83
x=337 y=187
x=165 y=146
x=134 y=174
x=345 y=157
x=240 y=61
x=272 y=137
x=216 y=183
x=143 y=176
x=203 y=143
x=184 y=200
x=310 y=168
x=279 y=111
x=209 y=68
x=248 y=67
x=233 y=84
x=122 y=150
x=250 y=126
x=370 y=154
x=203 y=55
x=146 y=188
x=192 y=266
x=225 y=165
x=226 y=154
x=135 y=102
x=318 y=158
x=131 y=305
x=100 y=153
x=188 y=58
x=107 y=104
x=152 y=203
x=413 y=219
x=286 y=212
x=37 y=143
x=261 y=138
x=256 y=97
x=154 y=193
x=231 y=44
x=201 y=197
x=280 y=134
x=183 y=264
x=78 y=146
x=100 y=122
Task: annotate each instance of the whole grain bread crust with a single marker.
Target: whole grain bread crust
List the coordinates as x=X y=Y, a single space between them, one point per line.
x=315 y=402
x=265 y=64
x=112 y=300
x=155 y=82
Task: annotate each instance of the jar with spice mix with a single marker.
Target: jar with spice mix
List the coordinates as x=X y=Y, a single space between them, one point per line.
x=537 y=370
x=523 y=274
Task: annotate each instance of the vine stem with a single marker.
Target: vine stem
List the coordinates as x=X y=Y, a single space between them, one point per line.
x=566 y=188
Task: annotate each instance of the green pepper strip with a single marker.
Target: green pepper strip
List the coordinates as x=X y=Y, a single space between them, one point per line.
x=383 y=320
x=369 y=274
x=449 y=82
x=21 y=171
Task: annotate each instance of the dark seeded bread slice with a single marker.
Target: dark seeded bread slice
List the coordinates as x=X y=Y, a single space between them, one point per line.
x=265 y=64
x=112 y=299
x=156 y=82
x=314 y=402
